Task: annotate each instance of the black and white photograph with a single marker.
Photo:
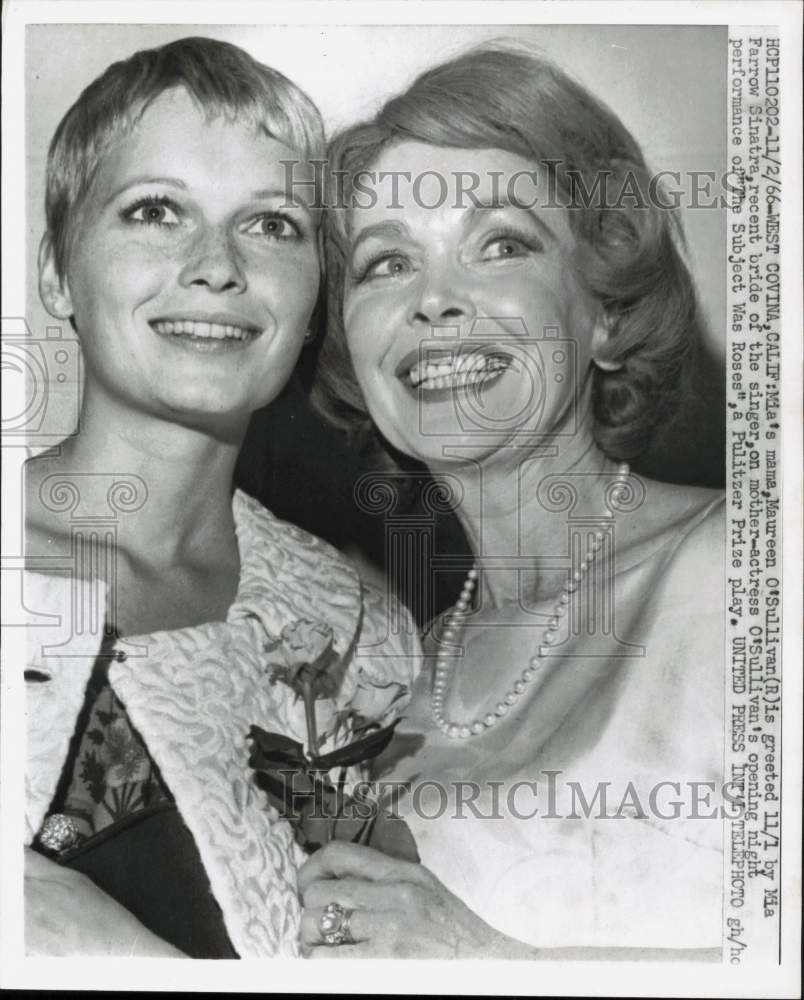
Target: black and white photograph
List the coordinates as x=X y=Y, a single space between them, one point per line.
x=402 y=493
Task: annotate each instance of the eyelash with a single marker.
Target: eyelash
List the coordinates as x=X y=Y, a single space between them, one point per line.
x=527 y=240
x=163 y=201
x=146 y=202
x=297 y=234
x=362 y=273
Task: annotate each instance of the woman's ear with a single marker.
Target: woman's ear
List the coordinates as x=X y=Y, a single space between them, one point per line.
x=53 y=289
x=603 y=342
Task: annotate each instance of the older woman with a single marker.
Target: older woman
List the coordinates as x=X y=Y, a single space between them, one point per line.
x=516 y=315
x=190 y=275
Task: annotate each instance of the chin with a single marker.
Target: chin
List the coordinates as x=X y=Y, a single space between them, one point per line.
x=207 y=409
x=438 y=449
x=445 y=436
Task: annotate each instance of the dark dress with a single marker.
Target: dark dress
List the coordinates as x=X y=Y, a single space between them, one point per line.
x=133 y=843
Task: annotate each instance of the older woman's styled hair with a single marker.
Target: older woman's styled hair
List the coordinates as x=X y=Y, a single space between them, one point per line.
x=221 y=77
x=627 y=253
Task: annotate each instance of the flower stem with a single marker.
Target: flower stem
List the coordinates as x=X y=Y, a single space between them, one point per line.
x=309 y=714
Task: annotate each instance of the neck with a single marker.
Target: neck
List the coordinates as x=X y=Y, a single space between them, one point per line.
x=517 y=527
x=186 y=475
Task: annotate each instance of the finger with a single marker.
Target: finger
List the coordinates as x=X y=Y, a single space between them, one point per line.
x=361 y=925
x=339 y=859
x=349 y=892
x=364 y=950
x=381 y=899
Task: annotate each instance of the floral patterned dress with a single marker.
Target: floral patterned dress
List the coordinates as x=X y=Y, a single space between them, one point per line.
x=109 y=774
x=126 y=832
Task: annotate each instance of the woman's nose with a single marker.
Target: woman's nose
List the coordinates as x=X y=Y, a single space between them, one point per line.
x=443 y=297
x=214 y=263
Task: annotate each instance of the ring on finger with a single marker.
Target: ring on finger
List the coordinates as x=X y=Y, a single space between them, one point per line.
x=334 y=924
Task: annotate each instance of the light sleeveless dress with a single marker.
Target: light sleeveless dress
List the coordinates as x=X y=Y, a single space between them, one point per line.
x=647 y=878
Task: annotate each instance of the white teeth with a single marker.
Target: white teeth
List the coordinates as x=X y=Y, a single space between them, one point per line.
x=459 y=379
x=464 y=370
x=197 y=328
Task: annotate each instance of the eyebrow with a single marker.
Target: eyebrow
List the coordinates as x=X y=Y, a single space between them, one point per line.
x=179 y=184
x=505 y=202
x=396 y=228
x=292 y=201
x=380 y=229
x=175 y=182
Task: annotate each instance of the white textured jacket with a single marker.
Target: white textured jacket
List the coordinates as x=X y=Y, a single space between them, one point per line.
x=193 y=693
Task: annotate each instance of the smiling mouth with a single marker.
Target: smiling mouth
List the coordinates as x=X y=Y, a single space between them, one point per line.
x=205 y=330
x=454 y=370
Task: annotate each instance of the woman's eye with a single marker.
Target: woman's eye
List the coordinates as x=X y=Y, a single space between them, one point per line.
x=273 y=226
x=392 y=266
x=152 y=212
x=503 y=247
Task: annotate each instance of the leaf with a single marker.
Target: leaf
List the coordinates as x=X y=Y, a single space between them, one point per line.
x=317 y=810
x=268 y=742
x=93 y=774
x=357 y=752
x=309 y=805
x=270 y=750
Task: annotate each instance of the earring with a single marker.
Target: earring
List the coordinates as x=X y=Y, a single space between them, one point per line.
x=309 y=336
x=606 y=365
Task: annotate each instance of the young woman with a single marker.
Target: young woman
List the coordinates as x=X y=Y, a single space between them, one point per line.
x=190 y=274
x=518 y=317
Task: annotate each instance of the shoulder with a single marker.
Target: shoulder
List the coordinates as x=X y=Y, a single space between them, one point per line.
x=674 y=582
x=678 y=522
x=47 y=500
x=701 y=520
x=675 y=570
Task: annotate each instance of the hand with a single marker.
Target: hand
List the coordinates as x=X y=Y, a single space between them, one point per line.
x=66 y=914
x=401 y=910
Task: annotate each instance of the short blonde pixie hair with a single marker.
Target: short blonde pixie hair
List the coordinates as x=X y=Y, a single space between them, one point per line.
x=222 y=78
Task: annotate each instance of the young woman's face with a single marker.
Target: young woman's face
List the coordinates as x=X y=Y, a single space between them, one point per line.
x=465 y=320
x=191 y=279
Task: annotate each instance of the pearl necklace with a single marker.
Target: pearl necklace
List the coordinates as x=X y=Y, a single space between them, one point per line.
x=455 y=621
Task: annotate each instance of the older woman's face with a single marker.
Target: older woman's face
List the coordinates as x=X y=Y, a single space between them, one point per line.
x=465 y=319
x=191 y=279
